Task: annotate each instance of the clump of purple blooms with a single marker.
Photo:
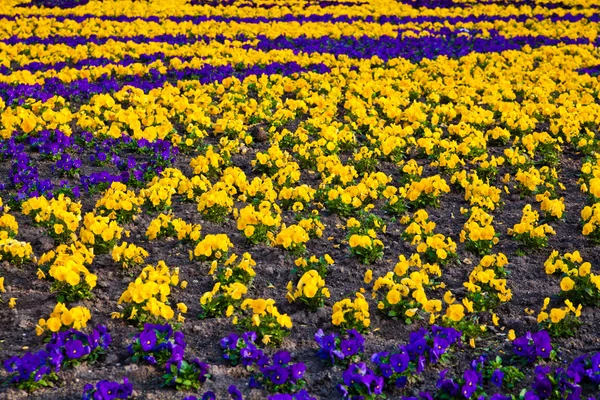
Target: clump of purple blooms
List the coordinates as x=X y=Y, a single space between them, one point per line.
x=301 y=395
x=160 y=345
x=532 y=346
x=280 y=375
x=586 y=367
x=242 y=349
x=185 y=375
x=35 y=370
x=105 y=390
x=75 y=346
x=474 y=379
x=232 y=390
x=410 y=359
x=337 y=350
x=156 y=344
x=360 y=382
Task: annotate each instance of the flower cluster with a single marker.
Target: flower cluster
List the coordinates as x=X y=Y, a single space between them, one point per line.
x=100 y=232
x=560 y=322
x=119 y=204
x=336 y=349
x=292 y=238
x=63 y=318
x=424 y=192
x=242 y=350
x=259 y=225
x=215 y=204
x=367 y=248
x=156 y=344
x=401 y=292
x=590 y=215
x=15 y=251
x=232 y=284
x=262 y=316
x=279 y=375
x=320 y=264
x=528 y=232
x=129 y=255
x=474 y=380
x=532 y=347
x=361 y=382
x=478 y=233
x=147 y=297
x=60 y=216
x=309 y=290
x=65 y=349
x=352 y=314
x=487 y=286
x=108 y=390
x=424 y=345
x=435 y=248
x=212 y=247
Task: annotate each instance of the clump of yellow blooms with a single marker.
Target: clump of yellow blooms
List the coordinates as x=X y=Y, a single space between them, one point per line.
x=77 y=252
x=312 y=225
x=590 y=215
x=72 y=280
x=553 y=209
x=478 y=233
x=15 y=251
x=263 y=317
x=487 y=286
x=560 y=322
x=99 y=232
x=158 y=194
x=528 y=232
x=145 y=118
x=565 y=263
x=401 y=293
x=437 y=248
x=396 y=300
x=425 y=192
x=147 y=298
x=209 y=163
x=9 y=227
x=232 y=284
x=119 y=204
x=222 y=300
x=215 y=204
x=64 y=318
x=578 y=284
x=310 y=290
x=590 y=178
x=352 y=314
x=394 y=204
x=297 y=197
x=535 y=181
x=419 y=225
x=319 y=264
x=60 y=216
x=411 y=171
x=164 y=225
x=260 y=189
x=367 y=248
x=212 y=247
x=129 y=255
x=259 y=225
x=292 y=238
x=272 y=161
x=478 y=192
